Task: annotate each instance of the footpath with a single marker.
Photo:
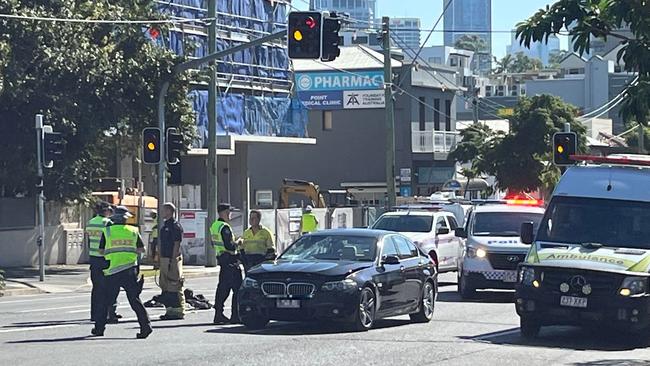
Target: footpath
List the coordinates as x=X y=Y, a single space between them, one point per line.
x=73 y=278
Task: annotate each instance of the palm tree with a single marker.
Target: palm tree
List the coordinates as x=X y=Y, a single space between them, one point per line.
x=504 y=65
x=471 y=43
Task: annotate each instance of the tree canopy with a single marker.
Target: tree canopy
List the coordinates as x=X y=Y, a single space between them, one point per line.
x=584 y=20
x=95 y=83
x=471 y=43
x=518 y=64
x=520 y=159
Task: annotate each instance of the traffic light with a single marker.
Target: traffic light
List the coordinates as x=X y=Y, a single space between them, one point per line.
x=53 y=148
x=565 y=144
x=151 y=145
x=304 y=34
x=330 y=38
x=174 y=178
x=174 y=146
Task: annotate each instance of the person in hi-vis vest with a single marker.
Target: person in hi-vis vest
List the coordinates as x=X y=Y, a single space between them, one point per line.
x=308 y=222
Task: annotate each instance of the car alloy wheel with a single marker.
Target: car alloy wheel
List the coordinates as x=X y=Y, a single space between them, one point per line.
x=366 y=314
x=428 y=300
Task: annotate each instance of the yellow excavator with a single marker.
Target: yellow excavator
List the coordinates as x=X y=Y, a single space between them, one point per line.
x=308 y=192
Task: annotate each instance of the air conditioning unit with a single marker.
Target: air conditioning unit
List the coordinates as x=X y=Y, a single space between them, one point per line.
x=501 y=88
x=514 y=87
x=488 y=88
x=500 y=93
x=488 y=93
x=523 y=91
x=513 y=93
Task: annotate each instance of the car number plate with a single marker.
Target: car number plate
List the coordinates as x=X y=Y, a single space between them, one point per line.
x=287 y=304
x=510 y=276
x=574 y=302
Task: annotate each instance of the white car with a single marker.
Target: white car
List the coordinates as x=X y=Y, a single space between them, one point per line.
x=432 y=231
x=492 y=248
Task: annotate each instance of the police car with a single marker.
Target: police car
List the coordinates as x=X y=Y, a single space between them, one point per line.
x=431 y=228
x=589 y=262
x=492 y=249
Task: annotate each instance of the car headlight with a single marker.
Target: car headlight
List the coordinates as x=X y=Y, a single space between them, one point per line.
x=633 y=286
x=250 y=283
x=527 y=276
x=346 y=284
x=476 y=252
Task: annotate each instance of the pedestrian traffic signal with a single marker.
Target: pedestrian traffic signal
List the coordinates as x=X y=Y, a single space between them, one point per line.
x=53 y=148
x=565 y=144
x=330 y=38
x=304 y=34
x=174 y=146
x=151 y=145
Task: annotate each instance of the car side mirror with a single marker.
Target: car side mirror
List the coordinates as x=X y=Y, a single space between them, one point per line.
x=390 y=259
x=527 y=233
x=442 y=231
x=460 y=233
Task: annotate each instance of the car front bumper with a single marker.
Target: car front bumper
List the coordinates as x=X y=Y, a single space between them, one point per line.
x=480 y=275
x=333 y=305
x=632 y=313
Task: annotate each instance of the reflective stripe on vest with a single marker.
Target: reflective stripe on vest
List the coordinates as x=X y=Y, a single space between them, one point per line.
x=121 y=248
x=94 y=229
x=257 y=243
x=309 y=224
x=217 y=240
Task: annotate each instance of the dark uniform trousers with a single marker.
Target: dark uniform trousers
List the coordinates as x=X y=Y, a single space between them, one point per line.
x=230 y=279
x=99 y=294
x=128 y=280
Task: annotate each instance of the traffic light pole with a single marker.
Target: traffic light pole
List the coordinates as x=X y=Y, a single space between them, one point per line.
x=212 y=186
x=212 y=128
x=40 y=241
x=390 y=116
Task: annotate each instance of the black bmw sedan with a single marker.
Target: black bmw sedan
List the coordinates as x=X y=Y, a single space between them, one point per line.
x=353 y=275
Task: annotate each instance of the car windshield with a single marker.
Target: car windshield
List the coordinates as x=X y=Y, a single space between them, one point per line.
x=405 y=223
x=503 y=223
x=332 y=247
x=597 y=222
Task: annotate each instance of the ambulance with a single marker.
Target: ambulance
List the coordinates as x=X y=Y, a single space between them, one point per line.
x=589 y=260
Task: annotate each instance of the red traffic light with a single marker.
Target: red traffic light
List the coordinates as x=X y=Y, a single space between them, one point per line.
x=311 y=23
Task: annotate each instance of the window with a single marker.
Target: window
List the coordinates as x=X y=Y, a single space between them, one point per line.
x=452 y=223
x=502 y=223
x=360 y=40
x=453 y=61
x=332 y=247
x=336 y=3
x=422 y=113
x=389 y=248
x=406 y=250
x=614 y=223
x=447 y=115
x=436 y=114
x=441 y=223
x=404 y=223
x=264 y=198
x=327 y=120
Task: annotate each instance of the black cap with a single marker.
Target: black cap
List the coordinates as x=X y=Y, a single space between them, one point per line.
x=223 y=207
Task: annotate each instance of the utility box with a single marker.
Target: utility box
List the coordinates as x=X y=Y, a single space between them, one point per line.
x=74 y=246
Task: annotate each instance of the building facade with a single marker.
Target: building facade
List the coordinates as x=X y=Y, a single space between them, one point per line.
x=407 y=30
x=539 y=50
x=363 y=12
x=470 y=17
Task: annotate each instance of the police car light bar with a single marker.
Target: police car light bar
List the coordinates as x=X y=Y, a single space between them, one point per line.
x=524 y=202
x=640 y=160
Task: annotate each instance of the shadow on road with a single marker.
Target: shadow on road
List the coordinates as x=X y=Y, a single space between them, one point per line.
x=490 y=297
x=617 y=362
x=65 y=339
x=566 y=337
x=306 y=328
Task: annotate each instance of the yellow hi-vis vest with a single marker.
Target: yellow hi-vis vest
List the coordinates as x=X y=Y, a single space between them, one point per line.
x=121 y=248
x=309 y=224
x=258 y=243
x=94 y=229
x=217 y=240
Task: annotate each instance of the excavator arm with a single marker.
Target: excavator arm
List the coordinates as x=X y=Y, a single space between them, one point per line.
x=303 y=188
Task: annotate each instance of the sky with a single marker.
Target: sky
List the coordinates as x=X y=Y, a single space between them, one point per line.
x=505 y=15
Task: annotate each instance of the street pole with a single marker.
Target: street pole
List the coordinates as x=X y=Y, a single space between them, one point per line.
x=162 y=94
x=390 y=117
x=210 y=255
x=641 y=139
x=41 y=198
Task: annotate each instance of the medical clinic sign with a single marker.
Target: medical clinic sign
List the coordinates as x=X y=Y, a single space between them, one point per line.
x=341 y=90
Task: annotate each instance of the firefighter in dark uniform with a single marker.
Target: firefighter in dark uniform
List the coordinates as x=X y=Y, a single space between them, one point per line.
x=230 y=277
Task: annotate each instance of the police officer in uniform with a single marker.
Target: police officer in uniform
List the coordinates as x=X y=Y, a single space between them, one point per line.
x=121 y=245
x=153 y=240
x=230 y=277
x=171 y=265
x=99 y=294
x=258 y=242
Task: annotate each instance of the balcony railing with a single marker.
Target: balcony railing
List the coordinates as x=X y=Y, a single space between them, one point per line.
x=430 y=141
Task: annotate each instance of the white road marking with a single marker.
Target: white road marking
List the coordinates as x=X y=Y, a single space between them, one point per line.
x=49 y=309
x=25 y=329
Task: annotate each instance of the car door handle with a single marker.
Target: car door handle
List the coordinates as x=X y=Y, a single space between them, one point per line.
x=420 y=264
x=401 y=269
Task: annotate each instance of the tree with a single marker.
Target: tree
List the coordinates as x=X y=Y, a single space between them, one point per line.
x=520 y=159
x=504 y=65
x=555 y=57
x=471 y=43
x=523 y=63
x=601 y=19
x=95 y=83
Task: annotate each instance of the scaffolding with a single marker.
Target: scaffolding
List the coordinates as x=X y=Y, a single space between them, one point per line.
x=254 y=85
